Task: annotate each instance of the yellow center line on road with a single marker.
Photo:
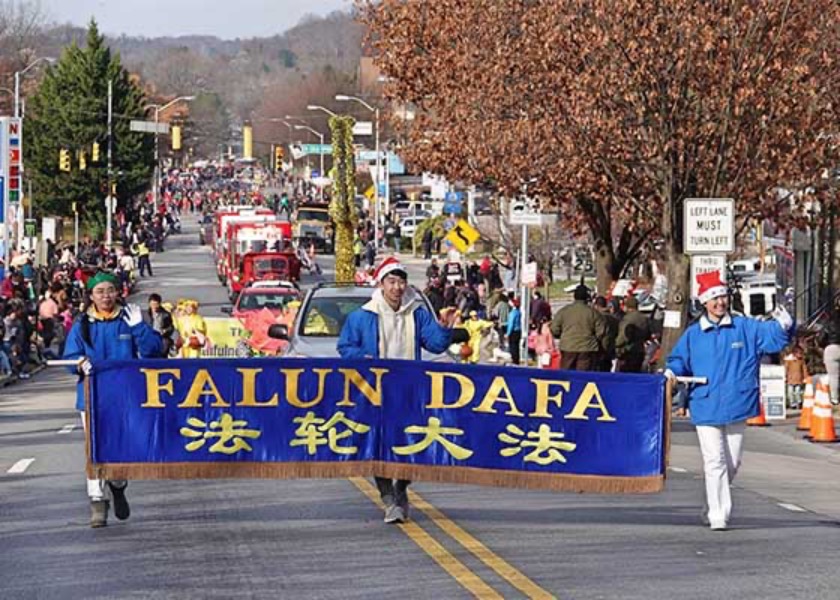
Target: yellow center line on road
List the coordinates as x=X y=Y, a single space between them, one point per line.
x=469 y=580
x=507 y=571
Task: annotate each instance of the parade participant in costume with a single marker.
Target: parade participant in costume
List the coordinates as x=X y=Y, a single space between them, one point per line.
x=394 y=324
x=192 y=330
x=476 y=328
x=106 y=330
x=726 y=350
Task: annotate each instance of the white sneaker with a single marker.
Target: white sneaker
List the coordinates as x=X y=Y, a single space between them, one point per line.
x=719 y=526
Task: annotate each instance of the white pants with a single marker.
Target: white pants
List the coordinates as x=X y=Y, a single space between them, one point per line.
x=831 y=357
x=96 y=488
x=721 y=446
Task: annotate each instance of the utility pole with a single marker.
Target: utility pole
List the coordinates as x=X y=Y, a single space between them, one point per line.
x=108 y=199
x=156 y=180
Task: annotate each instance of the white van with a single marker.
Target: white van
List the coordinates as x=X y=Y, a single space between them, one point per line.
x=759 y=300
x=745 y=266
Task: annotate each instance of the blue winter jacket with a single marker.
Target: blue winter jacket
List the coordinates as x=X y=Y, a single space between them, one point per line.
x=729 y=355
x=111 y=339
x=360 y=335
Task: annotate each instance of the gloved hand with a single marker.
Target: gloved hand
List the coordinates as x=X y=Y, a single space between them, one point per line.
x=85 y=367
x=782 y=317
x=132 y=315
x=669 y=375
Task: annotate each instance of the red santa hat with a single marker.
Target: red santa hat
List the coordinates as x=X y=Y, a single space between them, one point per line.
x=710 y=286
x=388 y=266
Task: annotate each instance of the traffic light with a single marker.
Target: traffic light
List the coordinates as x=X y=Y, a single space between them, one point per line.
x=278 y=159
x=247 y=142
x=64 y=160
x=82 y=160
x=176 y=137
x=94 y=155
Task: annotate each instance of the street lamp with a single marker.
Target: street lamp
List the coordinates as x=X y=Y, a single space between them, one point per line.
x=320 y=149
x=321 y=108
x=375 y=111
x=158 y=108
x=18 y=74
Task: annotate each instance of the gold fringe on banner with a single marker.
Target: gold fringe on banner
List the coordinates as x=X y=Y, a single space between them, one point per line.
x=441 y=474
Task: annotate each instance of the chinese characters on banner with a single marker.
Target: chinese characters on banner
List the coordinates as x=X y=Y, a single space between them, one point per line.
x=599 y=432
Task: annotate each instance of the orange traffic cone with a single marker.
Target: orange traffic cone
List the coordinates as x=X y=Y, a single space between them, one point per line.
x=761 y=419
x=822 y=423
x=807 y=406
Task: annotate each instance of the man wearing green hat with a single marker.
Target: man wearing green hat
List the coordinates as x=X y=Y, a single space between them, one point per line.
x=108 y=330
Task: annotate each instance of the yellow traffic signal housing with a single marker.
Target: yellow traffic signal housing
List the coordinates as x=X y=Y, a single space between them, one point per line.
x=82 y=160
x=94 y=155
x=247 y=142
x=278 y=158
x=176 y=137
x=64 y=160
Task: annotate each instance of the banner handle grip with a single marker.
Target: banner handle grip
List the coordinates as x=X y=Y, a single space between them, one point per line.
x=70 y=362
x=697 y=380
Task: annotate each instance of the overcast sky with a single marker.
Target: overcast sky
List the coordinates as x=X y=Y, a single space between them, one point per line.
x=223 y=18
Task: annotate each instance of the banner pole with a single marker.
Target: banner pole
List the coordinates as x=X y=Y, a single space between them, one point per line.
x=86 y=388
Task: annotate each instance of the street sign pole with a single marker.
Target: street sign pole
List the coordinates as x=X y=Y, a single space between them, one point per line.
x=376 y=176
x=524 y=299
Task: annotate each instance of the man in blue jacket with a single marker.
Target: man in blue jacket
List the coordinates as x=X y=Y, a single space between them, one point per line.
x=108 y=331
x=394 y=324
x=725 y=349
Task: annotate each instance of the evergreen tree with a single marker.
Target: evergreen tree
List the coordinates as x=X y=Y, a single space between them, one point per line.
x=70 y=111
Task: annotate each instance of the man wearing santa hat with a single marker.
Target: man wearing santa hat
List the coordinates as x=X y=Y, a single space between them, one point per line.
x=394 y=324
x=725 y=349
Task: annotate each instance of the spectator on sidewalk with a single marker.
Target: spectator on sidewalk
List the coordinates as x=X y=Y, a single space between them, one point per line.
x=830 y=342
x=608 y=343
x=540 y=310
x=513 y=332
x=161 y=321
x=582 y=332
x=795 y=374
x=633 y=333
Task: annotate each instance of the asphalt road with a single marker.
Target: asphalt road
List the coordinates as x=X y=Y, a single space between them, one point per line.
x=325 y=538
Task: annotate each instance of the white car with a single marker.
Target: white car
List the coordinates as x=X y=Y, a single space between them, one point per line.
x=408 y=226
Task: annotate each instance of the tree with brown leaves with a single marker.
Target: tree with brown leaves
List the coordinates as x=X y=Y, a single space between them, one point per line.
x=619 y=111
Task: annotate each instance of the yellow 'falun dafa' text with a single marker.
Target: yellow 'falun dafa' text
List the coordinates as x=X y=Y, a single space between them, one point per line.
x=230 y=434
x=547 y=445
x=434 y=432
x=315 y=431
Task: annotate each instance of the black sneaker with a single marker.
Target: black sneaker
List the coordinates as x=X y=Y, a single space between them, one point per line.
x=98 y=513
x=121 y=508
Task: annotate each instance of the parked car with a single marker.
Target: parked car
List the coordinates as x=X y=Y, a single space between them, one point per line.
x=315 y=330
x=408 y=225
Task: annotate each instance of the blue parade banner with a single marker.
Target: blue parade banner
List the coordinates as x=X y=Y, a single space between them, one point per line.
x=598 y=432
